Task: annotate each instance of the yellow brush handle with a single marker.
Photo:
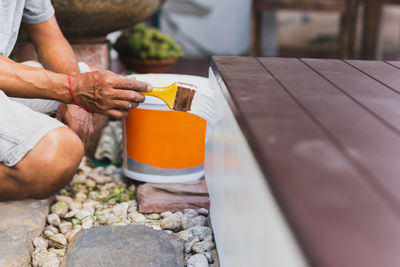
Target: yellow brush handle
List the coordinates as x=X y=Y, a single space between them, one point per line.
x=166 y=94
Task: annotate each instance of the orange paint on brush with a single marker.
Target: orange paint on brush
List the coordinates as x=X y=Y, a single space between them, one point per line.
x=165 y=139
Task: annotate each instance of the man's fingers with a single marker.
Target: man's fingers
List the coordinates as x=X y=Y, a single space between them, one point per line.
x=127 y=95
x=132 y=84
x=118 y=114
x=121 y=104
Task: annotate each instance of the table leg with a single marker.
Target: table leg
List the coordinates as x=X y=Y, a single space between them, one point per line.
x=255 y=37
x=372 y=22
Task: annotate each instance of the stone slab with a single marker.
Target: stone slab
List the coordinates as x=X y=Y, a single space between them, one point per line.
x=172 y=197
x=20 y=222
x=119 y=246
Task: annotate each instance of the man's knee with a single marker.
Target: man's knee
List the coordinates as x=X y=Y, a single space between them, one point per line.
x=52 y=163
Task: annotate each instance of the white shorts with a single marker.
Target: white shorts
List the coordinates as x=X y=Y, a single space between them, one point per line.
x=24 y=122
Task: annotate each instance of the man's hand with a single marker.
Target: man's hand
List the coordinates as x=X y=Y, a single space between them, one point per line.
x=78 y=120
x=107 y=93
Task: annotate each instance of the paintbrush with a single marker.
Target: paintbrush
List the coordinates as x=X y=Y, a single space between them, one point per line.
x=185 y=97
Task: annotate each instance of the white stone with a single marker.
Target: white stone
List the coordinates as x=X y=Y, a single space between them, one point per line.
x=172 y=222
x=48 y=233
x=86 y=224
x=201 y=231
x=94 y=195
x=59 y=208
x=203 y=246
x=185 y=235
x=90 y=206
x=196 y=221
x=156 y=227
x=79 y=178
x=104 y=193
x=190 y=243
x=51 y=228
x=58 y=252
x=100 y=179
x=137 y=217
x=190 y=213
x=108 y=186
x=197 y=260
x=53 y=219
x=71 y=213
x=80 y=197
x=65 y=227
x=121 y=210
x=58 y=241
x=112 y=218
x=83 y=214
x=43 y=258
x=65 y=199
x=203 y=211
x=165 y=214
x=111 y=169
x=154 y=216
x=51 y=262
x=40 y=242
x=90 y=183
x=75 y=205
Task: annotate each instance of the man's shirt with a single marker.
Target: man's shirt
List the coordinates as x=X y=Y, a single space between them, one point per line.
x=13 y=12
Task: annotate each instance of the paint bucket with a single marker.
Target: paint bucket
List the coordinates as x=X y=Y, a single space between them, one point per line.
x=160 y=145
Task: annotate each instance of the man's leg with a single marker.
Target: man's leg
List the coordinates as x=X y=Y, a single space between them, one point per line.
x=45 y=169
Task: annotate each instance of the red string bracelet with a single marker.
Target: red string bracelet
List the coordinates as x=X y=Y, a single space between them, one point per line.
x=72 y=93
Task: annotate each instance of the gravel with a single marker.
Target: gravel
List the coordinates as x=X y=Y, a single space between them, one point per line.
x=99 y=196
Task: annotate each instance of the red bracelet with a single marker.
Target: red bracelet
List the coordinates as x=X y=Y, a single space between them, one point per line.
x=72 y=93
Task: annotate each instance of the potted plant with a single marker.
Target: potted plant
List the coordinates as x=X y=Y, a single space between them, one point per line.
x=147 y=50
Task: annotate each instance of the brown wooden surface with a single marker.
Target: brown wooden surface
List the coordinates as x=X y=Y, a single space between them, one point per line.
x=332 y=161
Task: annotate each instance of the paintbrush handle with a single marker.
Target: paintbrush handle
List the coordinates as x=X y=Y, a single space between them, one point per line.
x=166 y=94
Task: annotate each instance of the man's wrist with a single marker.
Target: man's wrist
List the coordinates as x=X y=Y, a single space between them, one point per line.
x=64 y=92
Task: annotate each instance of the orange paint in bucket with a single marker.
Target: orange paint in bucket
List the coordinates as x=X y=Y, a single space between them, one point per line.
x=165 y=139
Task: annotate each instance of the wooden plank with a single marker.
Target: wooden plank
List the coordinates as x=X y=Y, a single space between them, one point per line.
x=375 y=97
x=316 y=5
x=380 y=71
x=364 y=138
x=334 y=211
x=394 y=63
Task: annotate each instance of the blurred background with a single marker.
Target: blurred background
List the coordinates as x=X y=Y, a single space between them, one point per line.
x=198 y=29
x=284 y=28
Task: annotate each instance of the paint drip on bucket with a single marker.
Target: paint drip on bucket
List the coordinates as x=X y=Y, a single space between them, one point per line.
x=164 y=146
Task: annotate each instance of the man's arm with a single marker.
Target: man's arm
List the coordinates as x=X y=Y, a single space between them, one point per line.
x=54 y=51
x=101 y=92
x=18 y=80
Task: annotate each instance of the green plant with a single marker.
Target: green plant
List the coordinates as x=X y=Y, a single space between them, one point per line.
x=147 y=43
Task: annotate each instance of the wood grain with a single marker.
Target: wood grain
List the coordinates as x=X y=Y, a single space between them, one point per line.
x=338 y=215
